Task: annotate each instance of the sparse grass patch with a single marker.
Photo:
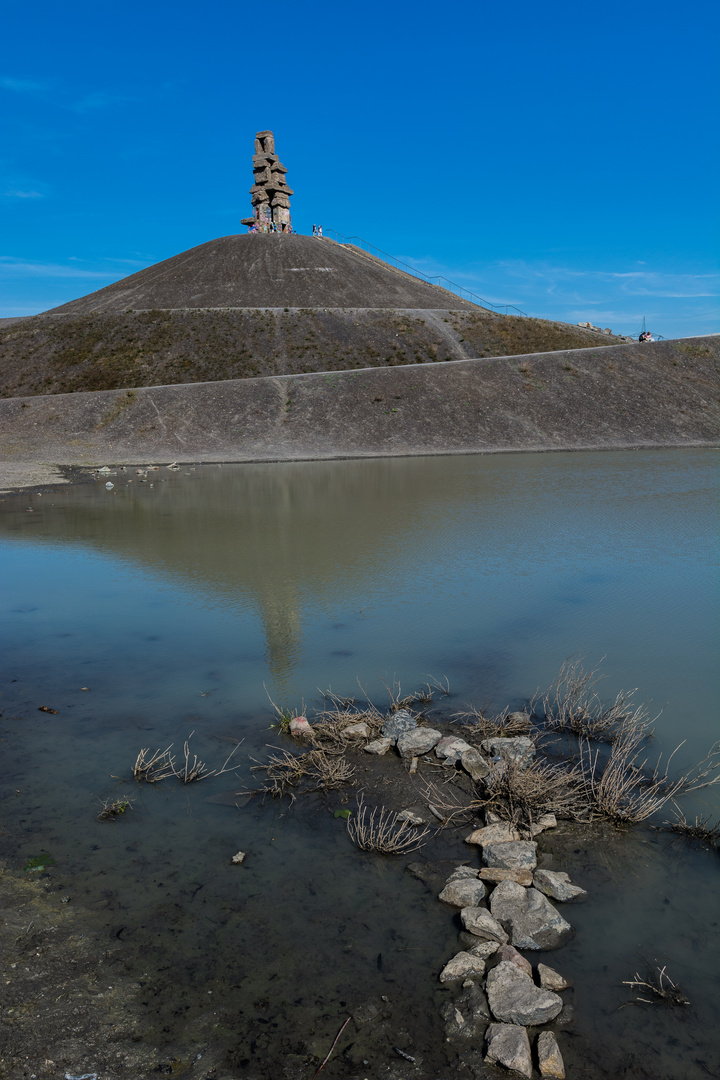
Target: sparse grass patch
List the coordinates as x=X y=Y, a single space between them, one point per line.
x=380 y=830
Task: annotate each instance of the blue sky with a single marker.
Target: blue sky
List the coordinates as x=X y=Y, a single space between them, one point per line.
x=560 y=157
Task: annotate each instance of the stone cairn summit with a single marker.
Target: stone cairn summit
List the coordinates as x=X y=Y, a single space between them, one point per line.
x=270 y=194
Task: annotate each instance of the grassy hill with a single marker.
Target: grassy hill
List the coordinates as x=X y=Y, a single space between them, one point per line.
x=55 y=354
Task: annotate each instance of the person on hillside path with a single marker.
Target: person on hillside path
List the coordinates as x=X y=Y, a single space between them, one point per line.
x=314 y=230
x=319 y=232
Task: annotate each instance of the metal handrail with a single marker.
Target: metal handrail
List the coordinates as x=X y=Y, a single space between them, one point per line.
x=399 y=264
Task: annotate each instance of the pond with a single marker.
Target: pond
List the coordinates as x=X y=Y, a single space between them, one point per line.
x=182 y=602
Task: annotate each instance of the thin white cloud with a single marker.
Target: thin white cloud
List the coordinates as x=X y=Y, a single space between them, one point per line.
x=23 y=195
x=100 y=99
x=65 y=97
x=23 y=86
x=11 y=267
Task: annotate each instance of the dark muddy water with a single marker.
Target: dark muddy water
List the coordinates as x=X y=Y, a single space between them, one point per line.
x=177 y=601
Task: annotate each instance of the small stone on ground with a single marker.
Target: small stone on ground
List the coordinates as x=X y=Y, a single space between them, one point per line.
x=378 y=746
x=398 y=724
x=419 y=741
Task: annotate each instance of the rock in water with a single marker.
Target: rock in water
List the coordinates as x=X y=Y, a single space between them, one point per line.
x=463 y=871
x=494 y=875
x=515 y=999
x=549 y=1056
x=419 y=741
x=508 y=1045
x=299 y=727
x=508 y=900
x=510 y=953
x=468 y=1015
x=557 y=885
x=463 y=892
x=511 y=855
x=463 y=966
x=550 y=979
x=530 y=917
x=493 y=834
x=479 y=921
x=398 y=724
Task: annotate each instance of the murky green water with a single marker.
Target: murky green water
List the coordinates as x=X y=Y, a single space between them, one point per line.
x=176 y=601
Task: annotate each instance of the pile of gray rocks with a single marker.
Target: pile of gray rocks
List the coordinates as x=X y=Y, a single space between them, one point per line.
x=505 y=906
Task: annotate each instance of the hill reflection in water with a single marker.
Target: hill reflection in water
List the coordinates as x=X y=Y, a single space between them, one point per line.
x=491 y=569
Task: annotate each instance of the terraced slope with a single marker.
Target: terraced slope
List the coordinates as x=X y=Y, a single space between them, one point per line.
x=53 y=354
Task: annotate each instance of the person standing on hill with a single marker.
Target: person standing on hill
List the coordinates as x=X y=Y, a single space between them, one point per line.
x=314 y=230
x=319 y=232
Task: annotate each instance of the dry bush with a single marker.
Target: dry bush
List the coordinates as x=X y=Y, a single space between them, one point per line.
x=380 y=830
x=624 y=791
x=315 y=770
x=699 y=829
x=504 y=725
x=161 y=765
x=572 y=704
x=522 y=793
x=152 y=769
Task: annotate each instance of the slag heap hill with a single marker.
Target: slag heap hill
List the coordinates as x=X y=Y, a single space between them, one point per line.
x=267 y=271
x=270 y=302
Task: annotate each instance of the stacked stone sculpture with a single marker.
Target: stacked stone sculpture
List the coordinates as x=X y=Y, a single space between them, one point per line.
x=270 y=194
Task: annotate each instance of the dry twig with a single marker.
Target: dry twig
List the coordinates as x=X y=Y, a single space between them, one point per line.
x=660 y=987
x=700 y=829
x=156 y=768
